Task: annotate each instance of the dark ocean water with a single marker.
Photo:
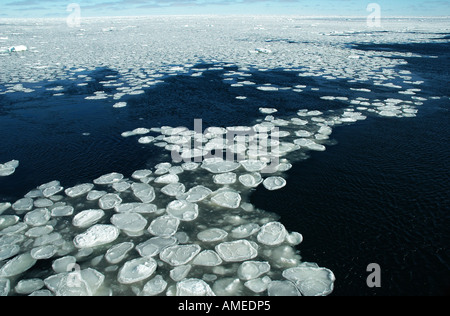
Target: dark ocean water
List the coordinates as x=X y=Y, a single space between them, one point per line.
x=380 y=195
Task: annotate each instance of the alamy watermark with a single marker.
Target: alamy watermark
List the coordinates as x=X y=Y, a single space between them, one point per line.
x=374 y=278
x=74 y=18
x=374 y=18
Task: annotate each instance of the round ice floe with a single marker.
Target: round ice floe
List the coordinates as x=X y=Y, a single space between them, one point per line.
x=183 y=210
x=218 y=165
x=8 y=251
x=155 y=286
x=253 y=269
x=225 y=178
x=37 y=217
x=141 y=208
x=196 y=194
x=109 y=178
x=17 y=265
x=129 y=222
x=136 y=270
x=227 y=198
x=282 y=288
x=164 y=226
x=120 y=105
x=253 y=165
x=227 y=287
x=180 y=272
x=268 y=110
x=212 y=235
x=109 y=201
x=310 y=144
x=251 y=180
x=311 y=281
x=167 y=178
x=8 y=220
x=118 y=252
x=193 y=287
x=143 y=192
x=64 y=264
x=96 y=235
x=95 y=195
x=179 y=254
x=207 y=258
x=43 y=252
x=245 y=230
x=274 y=183
x=236 y=251
x=23 y=205
x=189 y=166
x=43 y=202
x=272 y=234
x=5 y=287
x=79 y=190
x=77 y=283
x=174 y=189
x=61 y=211
x=121 y=186
x=153 y=246
x=141 y=174
x=28 y=286
x=258 y=285
x=87 y=218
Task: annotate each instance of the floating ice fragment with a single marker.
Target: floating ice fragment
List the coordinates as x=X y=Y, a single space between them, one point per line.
x=245 y=230
x=253 y=165
x=129 y=222
x=95 y=195
x=121 y=186
x=272 y=234
x=62 y=211
x=174 y=189
x=109 y=178
x=212 y=235
x=4 y=206
x=28 y=286
x=78 y=283
x=227 y=198
x=141 y=174
x=155 y=245
x=8 y=168
x=268 y=110
x=179 y=254
x=143 y=192
x=258 y=285
x=196 y=194
x=183 y=210
x=23 y=205
x=118 y=252
x=251 y=180
x=236 y=251
x=207 y=258
x=17 y=265
x=96 y=235
x=180 y=272
x=193 y=287
x=5 y=287
x=37 y=217
x=282 y=288
x=218 y=165
x=136 y=270
x=8 y=251
x=64 y=264
x=109 y=201
x=146 y=139
x=311 y=281
x=253 y=269
x=43 y=252
x=225 y=178
x=79 y=190
x=274 y=183
x=164 y=226
x=155 y=286
x=167 y=178
x=120 y=105
x=227 y=287
x=142 y=208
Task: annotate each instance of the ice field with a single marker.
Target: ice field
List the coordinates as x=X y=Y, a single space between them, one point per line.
x=186 y=225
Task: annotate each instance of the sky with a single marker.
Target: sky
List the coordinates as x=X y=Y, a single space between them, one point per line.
x=89 y=8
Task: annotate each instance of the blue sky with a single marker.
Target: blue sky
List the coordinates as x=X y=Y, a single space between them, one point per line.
x=57 y=8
